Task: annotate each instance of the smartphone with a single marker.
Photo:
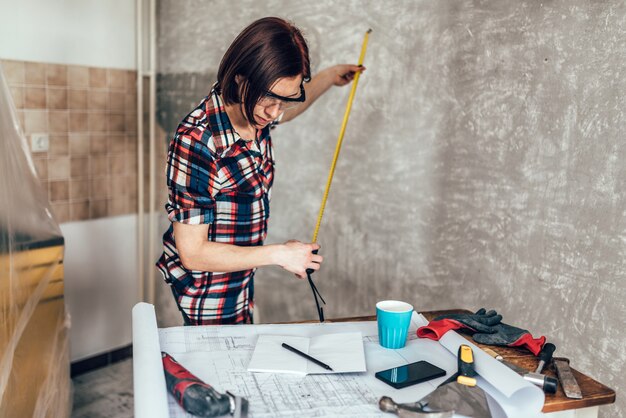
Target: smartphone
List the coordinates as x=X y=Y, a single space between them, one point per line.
x=410 y=374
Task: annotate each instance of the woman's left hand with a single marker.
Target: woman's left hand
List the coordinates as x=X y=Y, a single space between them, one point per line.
x=343 y=74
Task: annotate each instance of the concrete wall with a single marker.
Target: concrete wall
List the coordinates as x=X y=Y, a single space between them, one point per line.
x=483 y=164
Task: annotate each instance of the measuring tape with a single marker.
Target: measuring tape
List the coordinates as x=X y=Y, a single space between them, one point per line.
x=340 y=139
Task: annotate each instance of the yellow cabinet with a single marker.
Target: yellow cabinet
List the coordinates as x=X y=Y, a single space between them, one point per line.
x=34 y=346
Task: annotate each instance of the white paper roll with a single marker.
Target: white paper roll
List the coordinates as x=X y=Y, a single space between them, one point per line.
x=148 y=376
x=515 y=395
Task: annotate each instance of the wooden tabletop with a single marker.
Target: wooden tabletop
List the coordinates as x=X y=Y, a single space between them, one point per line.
x=594 y=392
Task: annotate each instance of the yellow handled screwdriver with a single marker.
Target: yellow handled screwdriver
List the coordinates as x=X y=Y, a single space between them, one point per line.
x=342 y=131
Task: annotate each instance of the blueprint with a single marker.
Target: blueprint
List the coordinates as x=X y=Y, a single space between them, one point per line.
x=219 y=355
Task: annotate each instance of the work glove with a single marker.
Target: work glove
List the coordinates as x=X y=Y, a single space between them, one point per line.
x=510 y=336
x=482 y=321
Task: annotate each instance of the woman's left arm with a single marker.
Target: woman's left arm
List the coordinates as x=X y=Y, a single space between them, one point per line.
x=337 y=75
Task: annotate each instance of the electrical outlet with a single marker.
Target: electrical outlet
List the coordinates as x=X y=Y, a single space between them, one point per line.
x=40 y=142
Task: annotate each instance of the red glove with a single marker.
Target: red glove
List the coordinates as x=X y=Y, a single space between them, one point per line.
x=481 y=321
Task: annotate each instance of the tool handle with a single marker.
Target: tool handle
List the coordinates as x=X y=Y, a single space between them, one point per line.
x=311 y=271
x=545 y=355
x=467 y=373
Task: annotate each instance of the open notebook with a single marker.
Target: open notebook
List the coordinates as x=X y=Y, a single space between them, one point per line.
x=342 y=352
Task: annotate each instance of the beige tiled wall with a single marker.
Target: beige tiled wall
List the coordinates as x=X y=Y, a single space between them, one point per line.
x=90 y=114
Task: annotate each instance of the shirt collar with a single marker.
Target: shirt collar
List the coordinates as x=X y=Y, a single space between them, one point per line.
x=224 y=135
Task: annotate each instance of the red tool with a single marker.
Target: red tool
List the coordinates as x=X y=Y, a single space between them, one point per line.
x=197 y=397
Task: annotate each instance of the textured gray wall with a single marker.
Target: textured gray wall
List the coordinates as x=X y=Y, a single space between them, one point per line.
x=483 y=164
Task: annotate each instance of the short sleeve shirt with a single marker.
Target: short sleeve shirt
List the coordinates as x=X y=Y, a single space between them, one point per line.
x=215 y=177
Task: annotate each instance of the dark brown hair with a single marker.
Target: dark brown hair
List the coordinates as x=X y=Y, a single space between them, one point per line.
x=269 y=49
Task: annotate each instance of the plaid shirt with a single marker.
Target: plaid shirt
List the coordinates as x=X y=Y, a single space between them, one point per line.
x=216 y=178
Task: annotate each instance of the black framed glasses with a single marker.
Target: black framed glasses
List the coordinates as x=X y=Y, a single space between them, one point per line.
x=284 y=103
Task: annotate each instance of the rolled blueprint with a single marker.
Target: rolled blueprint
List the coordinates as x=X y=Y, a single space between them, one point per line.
x=516 y=396
x=148 y=377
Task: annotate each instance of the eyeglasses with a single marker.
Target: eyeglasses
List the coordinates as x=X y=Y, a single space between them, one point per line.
x=284 y=103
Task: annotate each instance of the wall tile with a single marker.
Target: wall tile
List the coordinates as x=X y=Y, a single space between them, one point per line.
x=59 y=190
x=35 y=73
x=130 y=120
x=57 y=98
x=59 y=145
x=117 y=122
x=131 y=102
x=119 y=186
x=98 y=77
x=118 y=206
x=98 y=208
x=78 y=121
x=98 y=166
x=117 y=101
x=61 y=212
x=35 y=121
x=34 y=98
x=21 y=117
x=58 y=121
x=41 y=166
x=99 y=188
x=56 y=75
x=17 y=93
x=79 y=167
x=98 y=143
x=117 y=143
x=97 y=99
x=77 y=99
x=77 y=76
x=117 y=164
x=79 y=143
x=89 y=114
x=131 y=80
x=79 y=189
x=13 y=71
x=117 y=79
x=59 y=168
x=79 y=211
x=97 y=121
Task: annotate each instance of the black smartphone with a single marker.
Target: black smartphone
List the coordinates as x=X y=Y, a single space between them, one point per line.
x=410 y=374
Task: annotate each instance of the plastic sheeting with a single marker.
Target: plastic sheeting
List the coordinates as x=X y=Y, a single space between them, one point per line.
x=34 y=349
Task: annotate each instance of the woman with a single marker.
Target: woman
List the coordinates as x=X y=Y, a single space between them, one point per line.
x=220 y=170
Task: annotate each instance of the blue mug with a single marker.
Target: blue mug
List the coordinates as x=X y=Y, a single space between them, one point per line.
x=394 y=318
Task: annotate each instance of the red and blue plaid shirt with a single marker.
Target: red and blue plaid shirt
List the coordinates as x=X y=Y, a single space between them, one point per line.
x=216 y=178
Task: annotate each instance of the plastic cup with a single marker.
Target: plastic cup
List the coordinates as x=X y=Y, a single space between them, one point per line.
x=394 y=318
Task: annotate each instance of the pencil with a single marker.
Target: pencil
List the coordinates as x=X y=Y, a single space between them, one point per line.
x=306 y=356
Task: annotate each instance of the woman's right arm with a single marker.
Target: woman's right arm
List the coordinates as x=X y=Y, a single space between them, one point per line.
x=198 y=253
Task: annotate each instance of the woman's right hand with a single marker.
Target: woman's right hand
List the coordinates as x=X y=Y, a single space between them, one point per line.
x=296 y=257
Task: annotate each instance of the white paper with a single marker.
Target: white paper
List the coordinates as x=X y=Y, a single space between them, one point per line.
x=148 y=377
x=342 y=352
x=220 y=355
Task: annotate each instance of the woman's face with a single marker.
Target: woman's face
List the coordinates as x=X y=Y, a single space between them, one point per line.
x=266 y=111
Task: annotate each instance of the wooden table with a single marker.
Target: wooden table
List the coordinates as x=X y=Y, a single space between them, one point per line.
x=594 y=392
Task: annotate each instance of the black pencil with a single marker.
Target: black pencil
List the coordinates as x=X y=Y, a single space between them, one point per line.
x=306 y=356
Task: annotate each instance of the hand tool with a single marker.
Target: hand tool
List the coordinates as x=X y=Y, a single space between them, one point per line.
x=546 y=383
x=409 y=410
x=568 y=381
x=197 y=397
x=545 y=355
x=457 y=395
x=344 y=124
